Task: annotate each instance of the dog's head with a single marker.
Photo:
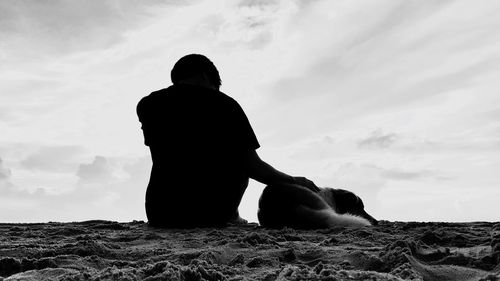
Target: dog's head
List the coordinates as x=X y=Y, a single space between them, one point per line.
x=344 y=201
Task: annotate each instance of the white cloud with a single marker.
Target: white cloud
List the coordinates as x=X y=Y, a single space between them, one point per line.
x=5 y=175
x=107 y=189
x=351 y=69
x=399 y=174
x=138 y=169
x=60 y=27
x=98 y=171
x=4 y=172
x=378 y=139
x=54 y=159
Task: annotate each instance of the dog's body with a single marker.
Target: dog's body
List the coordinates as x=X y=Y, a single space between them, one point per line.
x=296 y=206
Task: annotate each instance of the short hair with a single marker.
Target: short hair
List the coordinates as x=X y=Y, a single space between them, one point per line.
x=192 y=65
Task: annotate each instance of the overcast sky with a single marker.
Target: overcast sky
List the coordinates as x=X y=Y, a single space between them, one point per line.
x=398 y=101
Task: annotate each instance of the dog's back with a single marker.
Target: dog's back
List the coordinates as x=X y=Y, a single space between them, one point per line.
x=297 y=207
x=275 y=208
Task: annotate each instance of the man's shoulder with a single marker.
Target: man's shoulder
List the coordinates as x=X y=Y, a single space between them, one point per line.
x=153 y=97
x=187 y=94
x=157 y=94
x=226 y=98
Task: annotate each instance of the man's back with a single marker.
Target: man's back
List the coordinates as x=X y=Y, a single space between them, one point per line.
x=198 y=139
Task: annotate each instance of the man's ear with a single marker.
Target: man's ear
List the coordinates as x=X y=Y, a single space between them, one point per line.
x=208 y=82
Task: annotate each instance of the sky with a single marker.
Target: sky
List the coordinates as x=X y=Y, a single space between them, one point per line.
x=397 y=101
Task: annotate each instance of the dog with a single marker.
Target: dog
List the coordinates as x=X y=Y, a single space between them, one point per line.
x=295 y=206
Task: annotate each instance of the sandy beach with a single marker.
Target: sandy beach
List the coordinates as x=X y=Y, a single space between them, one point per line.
x=105 y=250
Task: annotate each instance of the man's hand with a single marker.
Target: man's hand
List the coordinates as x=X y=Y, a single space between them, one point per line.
x=306 y=183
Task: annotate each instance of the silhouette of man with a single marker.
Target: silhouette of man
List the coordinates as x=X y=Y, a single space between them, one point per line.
x=203 y=150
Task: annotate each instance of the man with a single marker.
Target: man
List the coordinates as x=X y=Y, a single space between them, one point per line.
x=203 y=150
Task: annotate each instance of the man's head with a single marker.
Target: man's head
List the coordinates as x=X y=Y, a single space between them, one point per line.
x=195 y=67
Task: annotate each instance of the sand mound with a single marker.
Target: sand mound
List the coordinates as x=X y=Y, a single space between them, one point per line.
x=104 y=250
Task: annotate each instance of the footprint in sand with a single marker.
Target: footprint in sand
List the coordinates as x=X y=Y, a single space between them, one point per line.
x=459 y=273
x=450 y=272
x=495 y=243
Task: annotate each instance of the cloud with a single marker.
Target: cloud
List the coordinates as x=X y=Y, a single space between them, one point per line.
x=99 y=171
x=108 y=188
x=378 y=139
x=443 y=83
x=140 y=168
x=407 y=174
x=5 y=183
x=5 y=173
x=21 y=89
x=7 y=188
x=29 y=96
x=369 y=177
x=343 y=69
x=366 y=67
x=470 y=141
x=38 y=29
x=115 y=187
x=54 y=159
x=261 y=4
x=399 y=174
x=242 y=25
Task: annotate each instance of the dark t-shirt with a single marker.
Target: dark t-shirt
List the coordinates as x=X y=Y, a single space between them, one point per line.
x=198 y=139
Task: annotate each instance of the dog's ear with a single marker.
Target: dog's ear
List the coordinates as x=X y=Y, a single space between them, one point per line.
x=328 y=195
x=346 y=201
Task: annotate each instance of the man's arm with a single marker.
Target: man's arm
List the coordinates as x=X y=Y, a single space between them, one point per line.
x=266 y=174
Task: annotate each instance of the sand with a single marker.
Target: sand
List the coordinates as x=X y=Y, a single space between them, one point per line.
x=105 y=250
